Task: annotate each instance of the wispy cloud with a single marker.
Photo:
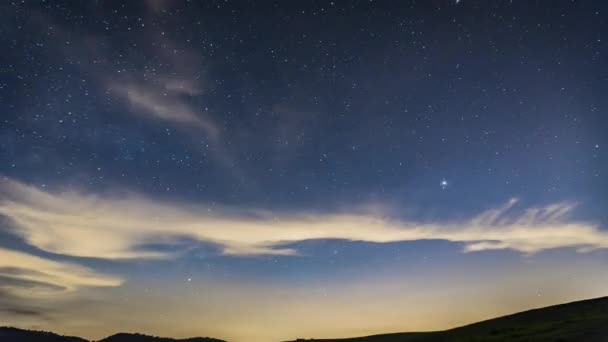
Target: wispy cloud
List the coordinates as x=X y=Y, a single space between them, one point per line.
x=166 y=93
x=157 y=5
x=162 y=90
x=164 y=100
x=116 y=227
x=26 y=275
x=30 y=283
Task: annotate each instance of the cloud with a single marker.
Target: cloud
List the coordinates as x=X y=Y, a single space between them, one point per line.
x=116 y=226
x=25 y=275
x=146 y=76
x=161 y=90
x=156 y=5
x=30 y=285
x=19 y=311
x=165 y=101
x=166 y=94
x=13 y=306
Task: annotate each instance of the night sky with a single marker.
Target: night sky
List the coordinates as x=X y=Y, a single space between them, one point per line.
x=260 y=171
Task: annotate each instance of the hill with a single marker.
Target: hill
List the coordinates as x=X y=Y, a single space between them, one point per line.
x=585 y=320
x=123 y=337
x=8 y=334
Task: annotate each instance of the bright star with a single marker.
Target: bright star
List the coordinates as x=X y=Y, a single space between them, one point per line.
x=444 y=183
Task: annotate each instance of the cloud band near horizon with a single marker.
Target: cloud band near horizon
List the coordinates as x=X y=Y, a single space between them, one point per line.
x=116 y=227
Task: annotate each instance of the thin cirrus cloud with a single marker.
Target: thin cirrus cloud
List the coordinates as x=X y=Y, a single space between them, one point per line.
x=161 y=91
x=164 y=100
x=116 y=227
x=25 y=275
x=165 y=96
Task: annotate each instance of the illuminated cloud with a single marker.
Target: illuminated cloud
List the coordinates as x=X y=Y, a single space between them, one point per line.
x=117 y=226
x=25 y=275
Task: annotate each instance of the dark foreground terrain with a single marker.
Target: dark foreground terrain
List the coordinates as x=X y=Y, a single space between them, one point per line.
x=13 y=335
x=585 y=320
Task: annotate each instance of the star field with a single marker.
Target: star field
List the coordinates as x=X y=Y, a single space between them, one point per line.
x=220 y=167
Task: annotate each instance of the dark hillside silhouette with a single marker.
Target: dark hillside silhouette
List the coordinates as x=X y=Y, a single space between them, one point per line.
x=124 y=337
x=584 y=321
x=8 y=334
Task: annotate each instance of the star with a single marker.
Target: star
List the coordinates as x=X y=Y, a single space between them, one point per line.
x=444 y=184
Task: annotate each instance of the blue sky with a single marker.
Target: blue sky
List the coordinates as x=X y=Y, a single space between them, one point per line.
x=253 y=164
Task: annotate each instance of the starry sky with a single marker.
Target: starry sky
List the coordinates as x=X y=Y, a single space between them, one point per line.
x=261 y=171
